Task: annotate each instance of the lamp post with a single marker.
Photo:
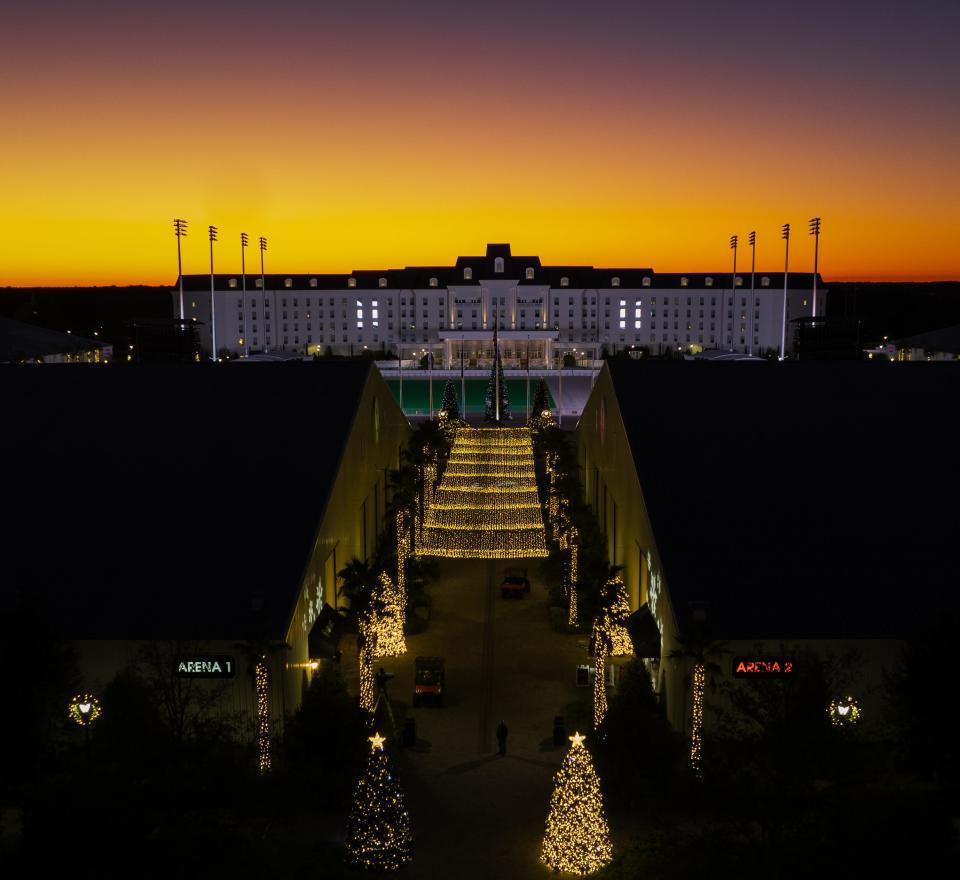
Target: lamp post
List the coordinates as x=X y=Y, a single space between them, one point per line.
x=753 y=287
x=815 y=232
x=263 y=289
x=180 y=230
x=785 y=235
x=213 y=312
x=244 y=241
x=733 y=285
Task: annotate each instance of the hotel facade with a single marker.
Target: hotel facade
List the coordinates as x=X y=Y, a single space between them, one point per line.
x=543 y=313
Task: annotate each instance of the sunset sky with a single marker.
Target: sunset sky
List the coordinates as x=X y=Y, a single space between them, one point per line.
x=379 y=134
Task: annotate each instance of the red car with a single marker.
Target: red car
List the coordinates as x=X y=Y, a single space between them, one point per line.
x=428 y=681
x=515 y=583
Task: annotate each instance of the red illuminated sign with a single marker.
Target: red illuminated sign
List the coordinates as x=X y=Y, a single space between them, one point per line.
x=747 y=667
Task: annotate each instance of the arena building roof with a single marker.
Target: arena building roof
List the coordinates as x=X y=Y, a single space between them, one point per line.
x=799 y=501
x=169 y=501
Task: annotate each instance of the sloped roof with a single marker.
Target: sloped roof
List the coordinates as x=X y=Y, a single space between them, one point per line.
x=799 y=500
x=17 y=338
x=169 y=501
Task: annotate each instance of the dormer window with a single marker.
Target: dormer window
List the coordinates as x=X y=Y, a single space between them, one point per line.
x=708 y=281
x=259 y=282
x=646 y=281
x=433 y=282
x=684 y=281
x=313 y=282
x=383 y=282
x=615 y=281
x=467 y=273
x=232 y=283
x=765 y=281
x=498 y=265
x=288 y=282
x=564 y=282
x=351 y=282
x=529 y=273
x=738 y=281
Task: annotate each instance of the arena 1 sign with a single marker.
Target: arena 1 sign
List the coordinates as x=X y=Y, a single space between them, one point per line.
x=205 y=667
x=760 y=667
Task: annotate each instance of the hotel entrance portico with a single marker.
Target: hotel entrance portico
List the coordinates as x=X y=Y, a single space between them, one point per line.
x=518 y=348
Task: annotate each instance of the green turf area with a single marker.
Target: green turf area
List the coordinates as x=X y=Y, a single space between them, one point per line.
x=416 y=394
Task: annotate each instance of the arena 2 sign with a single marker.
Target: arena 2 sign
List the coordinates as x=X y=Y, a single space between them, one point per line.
x=763 y=667
x=218 y=666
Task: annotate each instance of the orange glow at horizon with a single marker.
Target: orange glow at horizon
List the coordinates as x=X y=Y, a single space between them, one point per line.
x=417 y=154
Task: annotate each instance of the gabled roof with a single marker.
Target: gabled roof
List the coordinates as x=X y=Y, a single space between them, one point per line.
x=799 y=500
x=169 y=501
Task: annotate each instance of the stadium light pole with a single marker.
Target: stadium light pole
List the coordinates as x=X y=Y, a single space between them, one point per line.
x=733 y=284
x=263 y=288
x=815 y=232
x=244 y=242
x=180 y=230
x=213 y=313
x=785 y=235
x=753 y=287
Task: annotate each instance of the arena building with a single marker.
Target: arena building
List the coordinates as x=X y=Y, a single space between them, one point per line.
x=543 y=312
x=779 y=509
x=200 y=512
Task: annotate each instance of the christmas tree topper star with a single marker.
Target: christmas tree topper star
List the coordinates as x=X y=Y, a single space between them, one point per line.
x=377 y=741
x=576 y=739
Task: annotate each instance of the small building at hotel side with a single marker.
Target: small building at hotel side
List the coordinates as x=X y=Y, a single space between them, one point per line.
x=542 y=312
x=780 y=507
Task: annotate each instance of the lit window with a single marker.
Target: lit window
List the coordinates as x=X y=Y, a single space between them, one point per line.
x=359 y=314
x=684 y=281
x=646 y=281
x=374 y=314
x=232 y=282
x=383 y=282
x=313 y=282
x=433 y=282
x=359 y=303
x=351 y=282
x=636 y=325
x=623 y=313
x=467 y=273
x=623 y=302
x=615 y=281
x=708 y=281
x=738 y=281
x=529 y=273
x=259 y=282
x=564 y=282
x=764 y=282
x=623 y=324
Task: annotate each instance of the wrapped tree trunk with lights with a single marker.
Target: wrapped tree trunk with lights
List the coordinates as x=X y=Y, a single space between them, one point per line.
x=366 y=646
x=577 y=838
x=390 y=606
x=262 y=681
x=697 y=647
x=610 y=638
x=378 y=827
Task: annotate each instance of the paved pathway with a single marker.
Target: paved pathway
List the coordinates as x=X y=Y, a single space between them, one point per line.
x=477 y=815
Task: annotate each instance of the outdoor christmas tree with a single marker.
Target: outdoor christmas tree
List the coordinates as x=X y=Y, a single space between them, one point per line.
x=577 y=839
x=378 y=828
x=449 y=403
x=496 y=384
x=541 y=401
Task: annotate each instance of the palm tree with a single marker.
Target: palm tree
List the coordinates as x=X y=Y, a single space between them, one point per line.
x=359 y=581
x=698 y=647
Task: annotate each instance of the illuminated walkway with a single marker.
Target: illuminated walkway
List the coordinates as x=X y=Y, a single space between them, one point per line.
x=487 y=505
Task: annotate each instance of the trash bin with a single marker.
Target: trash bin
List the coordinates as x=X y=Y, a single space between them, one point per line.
x=559 y=731
x=409 y=737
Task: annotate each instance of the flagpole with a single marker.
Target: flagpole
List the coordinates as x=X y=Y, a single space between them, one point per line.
x=463 y=385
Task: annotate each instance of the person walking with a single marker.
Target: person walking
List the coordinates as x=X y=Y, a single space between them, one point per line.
x=502 y=738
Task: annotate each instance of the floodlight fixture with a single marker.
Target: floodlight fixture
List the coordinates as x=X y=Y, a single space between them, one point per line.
x=180 y=230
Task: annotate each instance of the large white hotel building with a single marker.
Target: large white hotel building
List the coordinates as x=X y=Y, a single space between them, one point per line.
x=543 y=312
